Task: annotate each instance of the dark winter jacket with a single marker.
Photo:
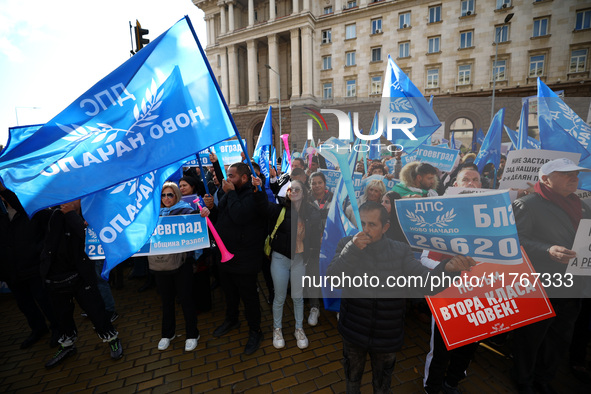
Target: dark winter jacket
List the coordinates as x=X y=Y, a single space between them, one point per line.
x=242 y=226
x=23 y=240
x=373 y=318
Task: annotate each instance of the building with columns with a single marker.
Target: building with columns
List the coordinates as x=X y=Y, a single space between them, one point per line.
x=331 y=53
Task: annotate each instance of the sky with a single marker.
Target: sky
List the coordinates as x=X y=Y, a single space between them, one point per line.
x=51 y=52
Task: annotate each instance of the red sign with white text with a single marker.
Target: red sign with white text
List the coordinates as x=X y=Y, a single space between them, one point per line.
x=489 y=300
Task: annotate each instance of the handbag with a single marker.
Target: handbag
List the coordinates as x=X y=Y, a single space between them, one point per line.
x=270 y=238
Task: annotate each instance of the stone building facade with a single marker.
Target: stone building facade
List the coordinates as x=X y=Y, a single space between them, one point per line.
x=333 y=53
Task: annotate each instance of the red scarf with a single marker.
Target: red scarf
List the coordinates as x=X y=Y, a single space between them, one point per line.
x=570 y=204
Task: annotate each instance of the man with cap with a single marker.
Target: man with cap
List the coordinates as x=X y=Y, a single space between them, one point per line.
x=547 y=221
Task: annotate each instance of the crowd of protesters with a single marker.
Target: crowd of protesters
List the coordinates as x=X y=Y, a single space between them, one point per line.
x=45 y=266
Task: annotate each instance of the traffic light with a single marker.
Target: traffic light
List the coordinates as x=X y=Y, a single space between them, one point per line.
x=140 y=41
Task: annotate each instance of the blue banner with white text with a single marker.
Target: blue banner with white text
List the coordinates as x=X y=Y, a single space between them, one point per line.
x=481 y=226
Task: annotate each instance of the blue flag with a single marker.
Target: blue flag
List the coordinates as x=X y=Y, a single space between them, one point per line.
x=124 y=216
x=480 y=136
x=523 y=126
x=285 y=167
x=490 y=151
x=452 y=142
x=561 y=127
x=531 y=143
x=262 y=151
x=337 y=227
x=409 y=118
x=374 y=148
x=160 y=106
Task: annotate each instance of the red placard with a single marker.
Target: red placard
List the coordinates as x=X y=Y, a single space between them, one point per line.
x=501 y=298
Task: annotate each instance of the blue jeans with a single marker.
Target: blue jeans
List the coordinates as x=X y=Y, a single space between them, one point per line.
x=284 y=269
x=104 y=287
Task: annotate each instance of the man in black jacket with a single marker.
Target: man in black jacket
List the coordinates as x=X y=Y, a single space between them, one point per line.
x=69 y=274
x=21 y=244
x=372 y=318
x=241 y=224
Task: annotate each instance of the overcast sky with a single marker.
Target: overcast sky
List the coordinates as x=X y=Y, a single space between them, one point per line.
x=53 y=51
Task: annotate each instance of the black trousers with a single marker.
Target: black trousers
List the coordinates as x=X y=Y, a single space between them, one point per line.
x=446 y=365
x=537 y=348
x=169 y=285
x=33 y=301
x=242 y=286
x=382 y=367
x=90 y=300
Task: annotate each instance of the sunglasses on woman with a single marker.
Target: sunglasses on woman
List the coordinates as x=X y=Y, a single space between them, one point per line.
x=169 y=195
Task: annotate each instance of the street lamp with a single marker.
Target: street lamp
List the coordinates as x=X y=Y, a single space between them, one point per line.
x=492 y=108
x=279 y=87
x=16 y=111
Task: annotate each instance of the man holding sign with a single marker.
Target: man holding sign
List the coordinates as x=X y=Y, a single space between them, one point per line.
x=547 y=221
x=372 y=314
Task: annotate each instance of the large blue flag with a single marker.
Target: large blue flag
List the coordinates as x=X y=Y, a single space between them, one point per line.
x=262 y=151
x=409 y=118
x=124 y=216
x=561 y=127
x=160 y=106
x=490 y=151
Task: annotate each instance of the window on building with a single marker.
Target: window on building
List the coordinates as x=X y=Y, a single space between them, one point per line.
x=540 y=27
x=376 y=54
x=326 y=36
x=466 y=39
x=376 y=85
x=467 y=7
x=404 y=49
x=434 y=44
x=432 y=78
x=219 y=61
x=327 y=90
x=351 y=3
x=505 y=3
x=376 y=26
x=328 y=10
x=326 y=62
x=578 y=60
x=435 y=14
x=350 y=31
x=499 y=69
x=502 y=33
x=536 y=65
x=351 y=87
x=464 y=74
x=583 y=20
x=404 y=20
x=350 y=58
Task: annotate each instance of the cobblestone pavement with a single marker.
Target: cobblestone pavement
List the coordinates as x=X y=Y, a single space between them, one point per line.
x=218 y=364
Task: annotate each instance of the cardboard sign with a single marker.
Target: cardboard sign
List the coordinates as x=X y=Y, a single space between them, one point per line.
x=173 y=234
x=523 y=166
x=581 y=265
x=478 y=225
x=438 y=157
x=502 y=299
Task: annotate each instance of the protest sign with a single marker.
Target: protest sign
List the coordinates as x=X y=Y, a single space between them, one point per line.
x=584 y=195
x=228 y=153
x=581 y=265
x=439 y=157
x=490 y=299
x=332 y=178
x=455 y=190
x=523 y=166
x=173 y=234
x=478 y=225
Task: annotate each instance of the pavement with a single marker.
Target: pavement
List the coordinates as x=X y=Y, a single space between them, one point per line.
x=218 y=365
